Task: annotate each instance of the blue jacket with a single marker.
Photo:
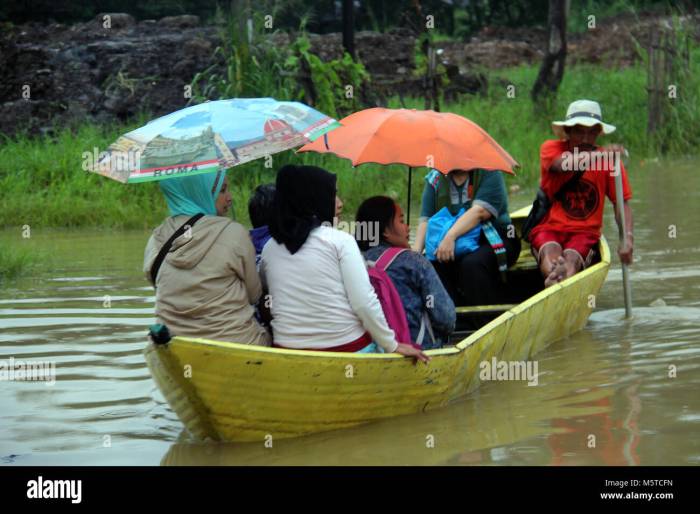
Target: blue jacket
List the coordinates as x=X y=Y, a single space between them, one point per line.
x=420 y=289
x=259 y=236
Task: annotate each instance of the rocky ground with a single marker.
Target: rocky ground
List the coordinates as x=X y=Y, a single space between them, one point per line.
x=613 y=43
x=54 y=74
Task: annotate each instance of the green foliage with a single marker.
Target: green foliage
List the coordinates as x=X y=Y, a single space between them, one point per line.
x=580 y=12
x=513 y=13
x=681 y=128
x=42 y=182
x=456 y=19
x=252 y=67
x=77 y=10
x=421 y=60
x=327 y=82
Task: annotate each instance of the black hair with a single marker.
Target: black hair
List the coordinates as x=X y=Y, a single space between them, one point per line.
x=377 y=209
x=304 y=200
x=260 y=205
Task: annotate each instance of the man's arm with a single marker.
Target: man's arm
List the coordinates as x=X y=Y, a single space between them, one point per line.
x=556 y=166
x=467 y=221
x=419 y=243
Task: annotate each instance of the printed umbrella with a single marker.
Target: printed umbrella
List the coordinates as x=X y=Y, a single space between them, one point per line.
x=439 y=140
x=204 y=137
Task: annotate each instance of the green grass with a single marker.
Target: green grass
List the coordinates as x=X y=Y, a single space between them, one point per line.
x=42 y=182
x=521 y=128
x=16 y=262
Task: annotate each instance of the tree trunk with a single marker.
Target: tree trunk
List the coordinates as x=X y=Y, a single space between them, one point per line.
x=349 y=28
x=552 y=69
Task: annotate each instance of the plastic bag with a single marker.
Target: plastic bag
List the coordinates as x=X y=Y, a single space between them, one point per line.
x=439 y=224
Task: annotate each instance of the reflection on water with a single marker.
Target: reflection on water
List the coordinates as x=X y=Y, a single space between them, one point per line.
x=617 y=393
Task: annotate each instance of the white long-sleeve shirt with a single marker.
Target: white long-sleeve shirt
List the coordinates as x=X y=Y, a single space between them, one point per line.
x=321 y=296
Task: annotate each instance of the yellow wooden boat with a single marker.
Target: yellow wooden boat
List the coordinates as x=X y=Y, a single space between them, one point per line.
x=235 y=392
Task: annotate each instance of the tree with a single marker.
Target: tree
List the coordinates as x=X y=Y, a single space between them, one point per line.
x=349 y=28
x=552 y=69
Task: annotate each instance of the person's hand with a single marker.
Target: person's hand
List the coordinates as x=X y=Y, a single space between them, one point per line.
x=409 y=351
x=614 y=148
x=614 y=151
x=446 y=251
x=626 y=250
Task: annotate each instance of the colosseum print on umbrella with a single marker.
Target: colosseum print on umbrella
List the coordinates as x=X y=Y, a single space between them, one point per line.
x=204 y=137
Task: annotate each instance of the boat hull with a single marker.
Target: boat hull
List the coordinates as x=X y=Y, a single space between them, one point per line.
x=235 y=392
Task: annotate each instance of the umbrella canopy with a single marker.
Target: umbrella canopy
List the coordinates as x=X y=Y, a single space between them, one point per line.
x=204 y=137
x=443 y=141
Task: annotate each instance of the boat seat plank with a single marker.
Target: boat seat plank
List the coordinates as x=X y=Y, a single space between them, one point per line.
x=480 y=309
x=526 y=261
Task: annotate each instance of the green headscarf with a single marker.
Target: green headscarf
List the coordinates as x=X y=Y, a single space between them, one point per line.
x=192 y=194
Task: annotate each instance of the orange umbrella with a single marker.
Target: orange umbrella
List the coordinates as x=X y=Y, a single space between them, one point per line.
x=443 y=141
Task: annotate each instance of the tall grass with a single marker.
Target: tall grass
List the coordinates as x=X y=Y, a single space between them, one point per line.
x=15 y=262
x=42 y=182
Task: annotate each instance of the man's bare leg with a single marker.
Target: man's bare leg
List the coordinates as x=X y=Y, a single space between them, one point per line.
x=573 y=262
x=558 y=273
x=551 y=259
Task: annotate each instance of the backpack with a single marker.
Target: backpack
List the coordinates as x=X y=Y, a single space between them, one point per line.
x=389 y=298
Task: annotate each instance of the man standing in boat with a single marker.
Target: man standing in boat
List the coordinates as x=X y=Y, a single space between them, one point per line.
x=576 y=175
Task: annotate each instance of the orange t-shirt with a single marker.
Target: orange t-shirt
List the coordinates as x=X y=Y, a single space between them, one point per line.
x=581 y=209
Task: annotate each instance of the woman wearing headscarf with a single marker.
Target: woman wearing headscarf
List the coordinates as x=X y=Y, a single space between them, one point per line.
x=207 y=283
x=321 y=296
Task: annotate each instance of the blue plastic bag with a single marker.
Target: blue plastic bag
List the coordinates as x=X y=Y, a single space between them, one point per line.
x=439 y=224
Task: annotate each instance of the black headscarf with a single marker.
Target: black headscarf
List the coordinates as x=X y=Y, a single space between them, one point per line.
x=304 y=199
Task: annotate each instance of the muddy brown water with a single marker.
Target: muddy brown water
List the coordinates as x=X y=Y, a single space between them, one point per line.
x=632 y=385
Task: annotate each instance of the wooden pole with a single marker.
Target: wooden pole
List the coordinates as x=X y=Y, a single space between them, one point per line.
x=620 y=207
x=428 y=80
x=653 y=81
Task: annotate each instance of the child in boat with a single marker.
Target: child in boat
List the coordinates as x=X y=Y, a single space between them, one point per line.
x=564 y=240
x=321 y=296
x=260 y=212
x=474 y=278
x=207 y=282
x=430 y=311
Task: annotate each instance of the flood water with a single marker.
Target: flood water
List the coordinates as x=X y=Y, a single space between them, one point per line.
x=633 y=385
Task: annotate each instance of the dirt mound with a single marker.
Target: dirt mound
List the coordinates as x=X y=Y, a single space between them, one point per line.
x=114 y=67
x=57 y=74
x=614 y=43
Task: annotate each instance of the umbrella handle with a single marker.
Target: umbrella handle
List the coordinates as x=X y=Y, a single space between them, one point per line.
x=408 y=202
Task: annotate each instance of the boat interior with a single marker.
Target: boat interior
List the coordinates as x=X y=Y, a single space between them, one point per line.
x=523 y=280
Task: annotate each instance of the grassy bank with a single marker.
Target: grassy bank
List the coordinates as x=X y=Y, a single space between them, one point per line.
x=42 y=183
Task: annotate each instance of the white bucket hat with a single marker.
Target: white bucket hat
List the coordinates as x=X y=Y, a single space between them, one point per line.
x=582 y=112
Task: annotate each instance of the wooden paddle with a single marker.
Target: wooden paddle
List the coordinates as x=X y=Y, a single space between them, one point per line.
x=620 y=206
